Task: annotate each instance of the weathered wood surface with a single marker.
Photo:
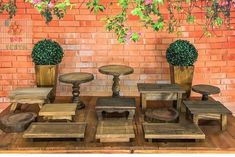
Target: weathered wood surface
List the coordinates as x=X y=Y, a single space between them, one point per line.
x=116 y=70
x=115 y=104
x=215 y=142
x=17 y=122
x=58 y=111
x=165 y=115
x=55 y=130
x=206 y=107
x=172 y=131
x=205 y=90
x=115 y=131
x=208 y=110
x=153 y=91
x=159 y=88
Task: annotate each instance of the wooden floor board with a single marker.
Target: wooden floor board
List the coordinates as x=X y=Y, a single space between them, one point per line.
x=216 y=141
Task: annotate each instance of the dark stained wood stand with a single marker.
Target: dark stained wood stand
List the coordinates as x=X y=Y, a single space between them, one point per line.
x=151 y=91
x=198 y=110
x=116 y=104
x=205 y=90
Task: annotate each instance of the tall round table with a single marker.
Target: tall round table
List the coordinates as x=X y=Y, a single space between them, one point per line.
x=76 y=79
x=116 y=71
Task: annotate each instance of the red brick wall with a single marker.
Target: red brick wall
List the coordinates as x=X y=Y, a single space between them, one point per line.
x=88 y=46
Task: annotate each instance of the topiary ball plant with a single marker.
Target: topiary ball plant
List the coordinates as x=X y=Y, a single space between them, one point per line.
x=181 y=53
x=47 y=52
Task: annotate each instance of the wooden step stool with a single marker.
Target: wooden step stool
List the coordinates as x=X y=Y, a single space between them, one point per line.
x=172 y=131
x=58 y=111
x=32 y=96
x=117 y=104
x=115 y=131
x=56 y=130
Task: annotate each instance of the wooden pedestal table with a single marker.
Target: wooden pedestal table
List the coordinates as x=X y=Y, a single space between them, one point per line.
x=58 y=111
x=175 y=131
x=38 y=96
x=55 y=130
x=198 y=110
x=115 y=131
x=205 y=90
x=116 y=71
x=116 y=104
x=151 y=91
x=76 y=79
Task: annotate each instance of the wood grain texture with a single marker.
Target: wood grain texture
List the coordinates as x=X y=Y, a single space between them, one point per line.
x=216 y=141
x=55 y=130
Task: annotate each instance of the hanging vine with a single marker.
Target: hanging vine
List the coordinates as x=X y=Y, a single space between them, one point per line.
x=216 y=12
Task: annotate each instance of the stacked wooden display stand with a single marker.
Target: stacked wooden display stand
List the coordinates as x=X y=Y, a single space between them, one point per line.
x=160 y=123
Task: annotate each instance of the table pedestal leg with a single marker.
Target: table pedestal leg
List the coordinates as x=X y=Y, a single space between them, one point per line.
x=205 y=97
x=76 y=98
x=116 y=86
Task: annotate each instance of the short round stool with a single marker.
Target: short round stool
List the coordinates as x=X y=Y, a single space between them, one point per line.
x=76 y=79
x=205 y=90
x=161 y=115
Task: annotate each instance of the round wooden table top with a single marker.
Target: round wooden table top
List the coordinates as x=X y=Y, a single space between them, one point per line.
x=116 y=70
x=76 y=77
x=205 y=89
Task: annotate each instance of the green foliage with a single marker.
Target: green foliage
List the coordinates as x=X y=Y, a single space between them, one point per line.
x=47 y=52
x=9 y=7
x=181 y=53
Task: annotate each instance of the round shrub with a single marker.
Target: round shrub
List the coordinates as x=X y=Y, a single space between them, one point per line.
x=47 y=52
x=181 y=53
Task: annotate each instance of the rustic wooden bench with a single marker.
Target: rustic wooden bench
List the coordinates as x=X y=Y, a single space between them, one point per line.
x=58 y=111
x=55 y=130
x=172 y=131
x=115 y=104
x=115 y=131
x=207 y=109
x=152 y=91
x=35 y=95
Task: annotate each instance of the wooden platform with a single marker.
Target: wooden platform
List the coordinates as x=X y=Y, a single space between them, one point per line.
x=216 y=141
x=55 y=130
x=172 y=131
x=58 y=111
x=115 y=131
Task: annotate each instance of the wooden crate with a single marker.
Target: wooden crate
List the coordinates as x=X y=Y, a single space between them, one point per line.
x=58 y=111
x=55 y=130
x=115 y=131
x=172 y=131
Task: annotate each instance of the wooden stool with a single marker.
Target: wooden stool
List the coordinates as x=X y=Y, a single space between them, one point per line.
x=115 y=131
x=172 y=131
x=38 y=96
x=205 y=90
x=58 y=111
x=151 y=91
x=55 y=130
x=198 y=110
x=116 y=104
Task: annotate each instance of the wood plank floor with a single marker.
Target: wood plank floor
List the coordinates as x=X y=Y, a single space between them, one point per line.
x=216 y=141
